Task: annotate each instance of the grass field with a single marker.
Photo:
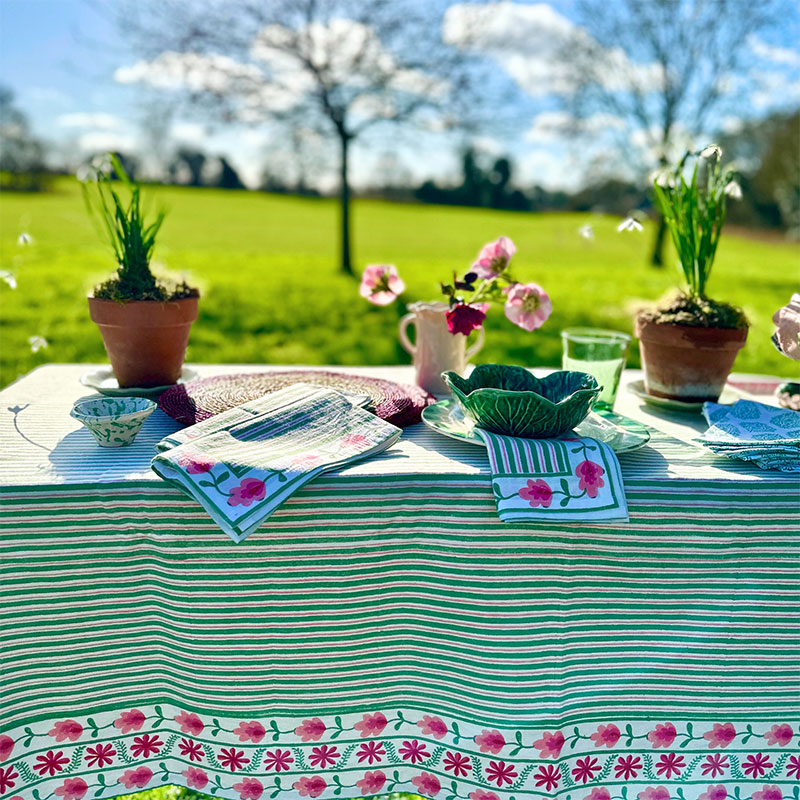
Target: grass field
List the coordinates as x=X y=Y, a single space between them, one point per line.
x=272 y=293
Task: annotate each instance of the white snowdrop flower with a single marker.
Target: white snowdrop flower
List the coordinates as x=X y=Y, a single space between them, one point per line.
x=664 y=178
x=629 y=224
x=85 y=173
x=24 y=239
x=9 y=278
x=102 y=164
x=586 y=231
x=733 y=190
x=712 y=151
x=37 y=343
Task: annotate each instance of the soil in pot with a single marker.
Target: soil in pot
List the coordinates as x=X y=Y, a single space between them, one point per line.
x=145 y=340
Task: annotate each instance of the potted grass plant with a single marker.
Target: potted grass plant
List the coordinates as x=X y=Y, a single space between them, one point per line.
x=144 y=321
x=689 y=342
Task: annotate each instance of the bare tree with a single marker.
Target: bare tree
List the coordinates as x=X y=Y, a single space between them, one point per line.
x=343 y=67
x=664 y=67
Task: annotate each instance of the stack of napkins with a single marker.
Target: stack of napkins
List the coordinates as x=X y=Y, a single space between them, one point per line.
x=572 y=478
x=242 y=464
x=751 y=431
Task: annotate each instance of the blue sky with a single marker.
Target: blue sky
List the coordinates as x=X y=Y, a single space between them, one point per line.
x=60 y=57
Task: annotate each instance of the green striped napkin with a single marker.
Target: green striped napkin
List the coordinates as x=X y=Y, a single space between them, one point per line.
x=242 y=464
x=570 y=478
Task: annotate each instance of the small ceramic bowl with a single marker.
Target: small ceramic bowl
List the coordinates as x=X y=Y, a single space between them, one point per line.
x=510 y=400
x=113 y=421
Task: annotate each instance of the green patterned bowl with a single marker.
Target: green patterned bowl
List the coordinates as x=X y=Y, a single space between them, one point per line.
x=510 y=400
x=113 y=421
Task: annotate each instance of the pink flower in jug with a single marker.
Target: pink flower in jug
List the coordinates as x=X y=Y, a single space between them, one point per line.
x=528 y=305
x=494 y=258
x=381 y=284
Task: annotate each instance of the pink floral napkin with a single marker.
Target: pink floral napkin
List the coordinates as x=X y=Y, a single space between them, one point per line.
x=570 y=478
x=242 y=466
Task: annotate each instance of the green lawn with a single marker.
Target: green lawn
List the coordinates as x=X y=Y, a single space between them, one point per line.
x=272 y=293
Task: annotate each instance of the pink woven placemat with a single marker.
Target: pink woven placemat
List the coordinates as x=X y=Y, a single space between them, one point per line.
x=400 y=404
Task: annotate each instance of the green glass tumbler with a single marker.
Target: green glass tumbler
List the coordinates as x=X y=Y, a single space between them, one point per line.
x=599 y=352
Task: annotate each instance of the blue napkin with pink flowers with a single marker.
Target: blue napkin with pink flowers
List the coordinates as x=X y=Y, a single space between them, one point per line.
x=242 y=464
x=572 y=478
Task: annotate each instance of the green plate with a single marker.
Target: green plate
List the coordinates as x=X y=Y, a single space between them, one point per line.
x=621 y=434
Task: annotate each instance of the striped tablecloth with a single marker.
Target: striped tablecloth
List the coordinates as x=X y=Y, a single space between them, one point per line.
x=384 y=631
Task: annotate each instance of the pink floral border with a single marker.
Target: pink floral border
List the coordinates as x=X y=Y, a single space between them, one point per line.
x=345 y=756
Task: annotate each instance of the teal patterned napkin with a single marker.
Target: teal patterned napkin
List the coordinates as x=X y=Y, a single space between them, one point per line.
x=570 y=478
x=242 y=464
x=751 y=431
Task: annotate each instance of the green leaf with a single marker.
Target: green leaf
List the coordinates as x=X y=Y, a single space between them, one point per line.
x=223 y=477
x=564 y=501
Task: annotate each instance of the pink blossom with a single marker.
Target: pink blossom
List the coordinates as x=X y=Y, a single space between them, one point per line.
x=195 y=778
x=72 y=789
x=549 y=746
x=247 y=491
x=662 y=736
x=768 y=793
x=654 y=793
x=310 y=730
x=718 y=792
x=190 y=723
x=590 y=481
x=528 y=306
x=427 y=784
x=129 y=721
x=371 y=724
x=482 y=794
x=490 y=742
x=250 y=731
x=465 y=318
x=432 y=726
x=720 y=735
x=598 y=793
x=195 y=463
x=605 y=736
x=136 y=778
x=380 y=284
x=68 y=729
x=779 y=734
x=310 y=787
x=249 y=788
x=537 y=493
x=494 y=258
x=371 y=783
x=6 y=746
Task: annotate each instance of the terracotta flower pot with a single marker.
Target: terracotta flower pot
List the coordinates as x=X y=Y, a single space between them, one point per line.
x=686 y=363
x=145 y=340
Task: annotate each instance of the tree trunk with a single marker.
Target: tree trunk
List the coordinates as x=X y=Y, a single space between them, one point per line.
x=344 y=200
x=657 y=258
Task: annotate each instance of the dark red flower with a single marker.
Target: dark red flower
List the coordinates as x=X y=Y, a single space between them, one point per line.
x=756 y=765
x=190 y=749
x=715 y=764
x=143 y=746
x=463 y=318
x=500 y=772
x=585 y=769
x=413 y=751
x=548 y=776
x=628 y=767
x=278 y=760
x=233 y=759
x=670 y=763
x=323 y=755
x=370 y=751
x=100 y=756
x=7 y=776
x=51 y=762
x=458 y=764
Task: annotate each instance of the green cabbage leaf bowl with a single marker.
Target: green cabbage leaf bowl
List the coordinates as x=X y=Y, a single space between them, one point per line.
x=510 y=400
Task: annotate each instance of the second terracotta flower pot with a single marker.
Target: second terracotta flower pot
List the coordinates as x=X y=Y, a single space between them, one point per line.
x=687 y=363
x=145 y=340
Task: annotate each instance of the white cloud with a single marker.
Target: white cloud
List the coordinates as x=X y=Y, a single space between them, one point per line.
x=528 y=41
x=556 y=126
x=774 y=89
x=769 y=52
x=188 y=132
x=104 y=141
x=90 y=119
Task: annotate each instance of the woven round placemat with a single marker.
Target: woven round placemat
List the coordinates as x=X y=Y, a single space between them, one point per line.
x=400 y=404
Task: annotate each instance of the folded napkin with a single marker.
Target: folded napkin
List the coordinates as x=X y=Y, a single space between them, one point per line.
x=751 y=431
x=242 y=464
x=569 y=478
